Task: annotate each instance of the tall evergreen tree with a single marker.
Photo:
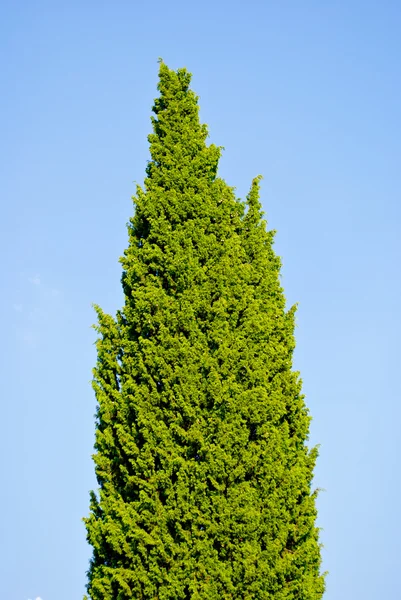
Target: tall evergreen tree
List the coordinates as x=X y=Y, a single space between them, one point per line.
x=201 y=456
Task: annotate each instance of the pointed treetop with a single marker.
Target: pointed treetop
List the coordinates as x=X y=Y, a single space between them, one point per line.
x=178 y=140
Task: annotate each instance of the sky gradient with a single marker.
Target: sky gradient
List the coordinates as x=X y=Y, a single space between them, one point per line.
x=307 y=94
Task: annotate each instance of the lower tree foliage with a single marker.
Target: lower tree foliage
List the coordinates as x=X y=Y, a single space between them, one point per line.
x=201 y=458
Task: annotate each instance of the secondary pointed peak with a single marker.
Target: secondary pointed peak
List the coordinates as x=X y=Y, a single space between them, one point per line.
x=254 y=212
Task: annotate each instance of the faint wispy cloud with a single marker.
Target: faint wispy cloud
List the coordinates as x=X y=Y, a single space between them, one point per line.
x=34 y=280
x=28 y=337
x=34 y=308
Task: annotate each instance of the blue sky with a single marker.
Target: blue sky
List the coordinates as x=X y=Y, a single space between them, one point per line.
x=307 y=94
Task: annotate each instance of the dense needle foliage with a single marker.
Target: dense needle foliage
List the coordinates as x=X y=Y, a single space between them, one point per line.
x=201 y=457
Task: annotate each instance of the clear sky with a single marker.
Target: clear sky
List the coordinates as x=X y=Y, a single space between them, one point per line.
x=307 y=94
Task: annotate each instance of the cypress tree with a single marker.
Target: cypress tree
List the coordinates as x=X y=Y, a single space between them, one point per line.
x=201 y=449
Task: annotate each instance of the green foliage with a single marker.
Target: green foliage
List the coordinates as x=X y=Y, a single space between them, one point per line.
x=201 y=456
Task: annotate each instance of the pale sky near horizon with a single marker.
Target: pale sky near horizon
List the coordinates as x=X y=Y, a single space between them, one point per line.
x=307 y=94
